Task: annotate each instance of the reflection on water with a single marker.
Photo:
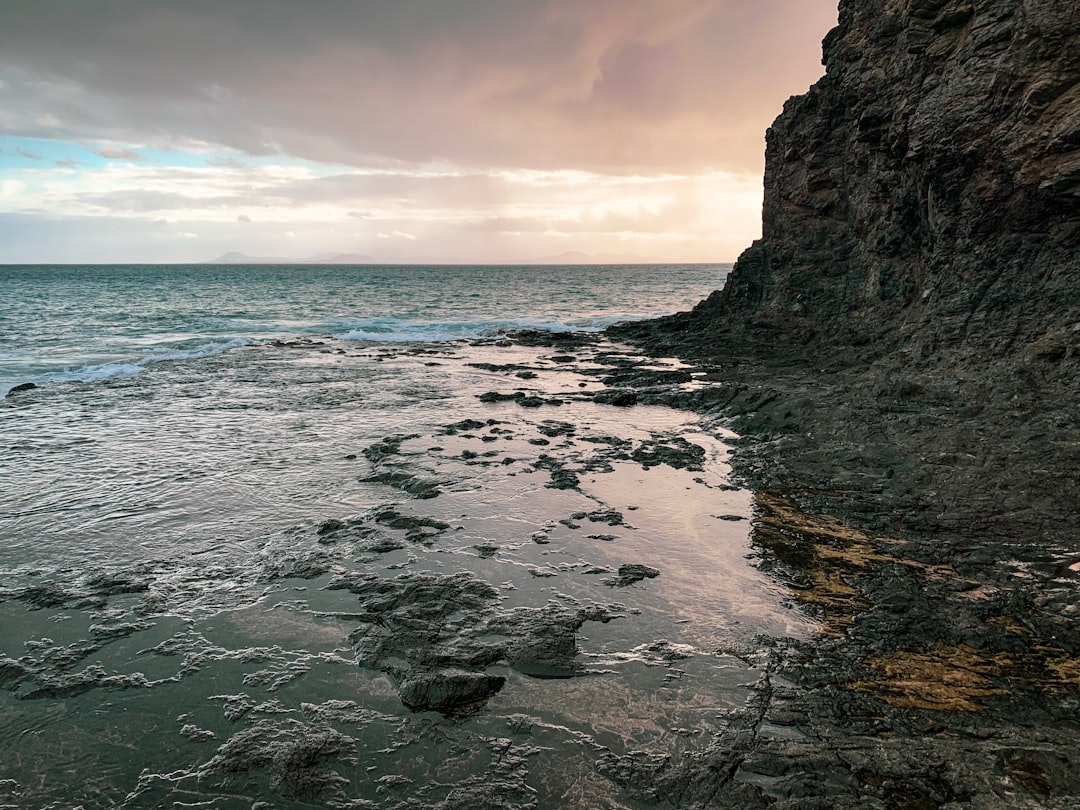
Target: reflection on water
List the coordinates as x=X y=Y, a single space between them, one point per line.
x=190 y=556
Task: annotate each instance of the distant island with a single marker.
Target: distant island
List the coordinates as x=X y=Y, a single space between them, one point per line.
x=234 y=257
x=566 y=257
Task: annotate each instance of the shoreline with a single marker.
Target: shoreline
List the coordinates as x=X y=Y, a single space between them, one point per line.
x=463 y=582
x=949 y=611
x=533 y=557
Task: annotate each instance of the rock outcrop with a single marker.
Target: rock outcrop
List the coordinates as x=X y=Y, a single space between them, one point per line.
x=924 y=196
x=916 y=291
x=901 y=350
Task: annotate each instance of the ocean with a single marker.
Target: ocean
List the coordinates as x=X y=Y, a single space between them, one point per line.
x=359 y=536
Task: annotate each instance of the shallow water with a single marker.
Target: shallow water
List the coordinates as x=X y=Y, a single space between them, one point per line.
x=206 y=505
x=62 y=323
x=182 y=625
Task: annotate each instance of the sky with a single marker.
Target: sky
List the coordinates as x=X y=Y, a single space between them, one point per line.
x=403 y=130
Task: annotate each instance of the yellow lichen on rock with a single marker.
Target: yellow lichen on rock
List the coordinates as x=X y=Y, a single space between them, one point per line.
x=942 y=678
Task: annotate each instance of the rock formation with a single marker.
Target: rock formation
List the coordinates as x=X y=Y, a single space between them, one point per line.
x=902 y=350
x=921 y=255
x=924 y=196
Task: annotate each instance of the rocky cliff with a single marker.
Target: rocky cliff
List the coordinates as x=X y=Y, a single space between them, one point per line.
x=914 y=301
x=924 y=196
x=901 y=350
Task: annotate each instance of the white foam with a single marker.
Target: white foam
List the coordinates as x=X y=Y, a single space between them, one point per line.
x=128 y=368
x=105 y=371
x=205 y=350
x=386 y=330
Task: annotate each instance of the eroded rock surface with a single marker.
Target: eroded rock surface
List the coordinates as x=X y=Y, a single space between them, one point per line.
x=901 y=349
x=914 y=301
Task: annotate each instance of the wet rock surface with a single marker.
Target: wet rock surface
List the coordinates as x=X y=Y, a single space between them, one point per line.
x=466 y=650
x=899 y=354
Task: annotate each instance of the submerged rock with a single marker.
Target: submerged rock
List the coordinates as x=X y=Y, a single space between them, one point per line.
x=449 y=691
x=437 y=636
x=631 y=573
x=295 y=755
x=406 y=482
x=561 y=478
x=18 y=389
x=12 y=673
x=674 y=451
x=390 y=446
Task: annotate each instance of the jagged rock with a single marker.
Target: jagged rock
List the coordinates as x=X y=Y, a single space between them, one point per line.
x=12 y=673
x=406 y=482
x=295 y=756
x=630 y=573
x=18 y=389
x=674 y=451
x=388 y=447
x=917 y=283
x=561 y=478
x=436 y=635
x=620 y=398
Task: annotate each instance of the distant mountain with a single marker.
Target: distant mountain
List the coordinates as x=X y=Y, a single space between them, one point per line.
x=242 y=258
x=234 y=257
x=346 y=258
x=579 y=257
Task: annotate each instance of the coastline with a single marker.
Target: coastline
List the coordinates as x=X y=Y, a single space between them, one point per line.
x=566 y=580
x=950 y=634
x=899 y=352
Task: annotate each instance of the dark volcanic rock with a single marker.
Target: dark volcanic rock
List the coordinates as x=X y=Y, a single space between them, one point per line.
x=18 y=389
x=406 y=482
x=617 y=397
x=674 y=451
x=390 y=446
x=630 y=573
x=520 y=397
x=901 y=349
x=437 y=635
x=295 y=756
x=917 y=286
x=12 y=673
x=448 y=690
x=925 y=192
x=561 y=478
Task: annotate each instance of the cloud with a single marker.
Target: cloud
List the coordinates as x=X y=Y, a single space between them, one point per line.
x=458 y=129
x=10 y=189
x=226 y=162
x=112 y=152
x=679 y=85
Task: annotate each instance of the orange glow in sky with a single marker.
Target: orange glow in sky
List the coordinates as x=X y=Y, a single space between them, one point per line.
x=442 y=130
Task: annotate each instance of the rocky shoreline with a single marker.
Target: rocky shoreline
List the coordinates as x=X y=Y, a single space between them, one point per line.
x=560 y=597
x=527 y=600
x=948 y=670
x=901 y=355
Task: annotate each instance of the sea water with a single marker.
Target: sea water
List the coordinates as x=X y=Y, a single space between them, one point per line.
x=63 y=323
x=174 y=627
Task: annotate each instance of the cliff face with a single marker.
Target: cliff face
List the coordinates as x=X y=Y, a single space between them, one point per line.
x=901 y=350
x=922 y=200
x=908 y=327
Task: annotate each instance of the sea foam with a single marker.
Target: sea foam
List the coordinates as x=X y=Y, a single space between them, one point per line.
x=130 y=367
